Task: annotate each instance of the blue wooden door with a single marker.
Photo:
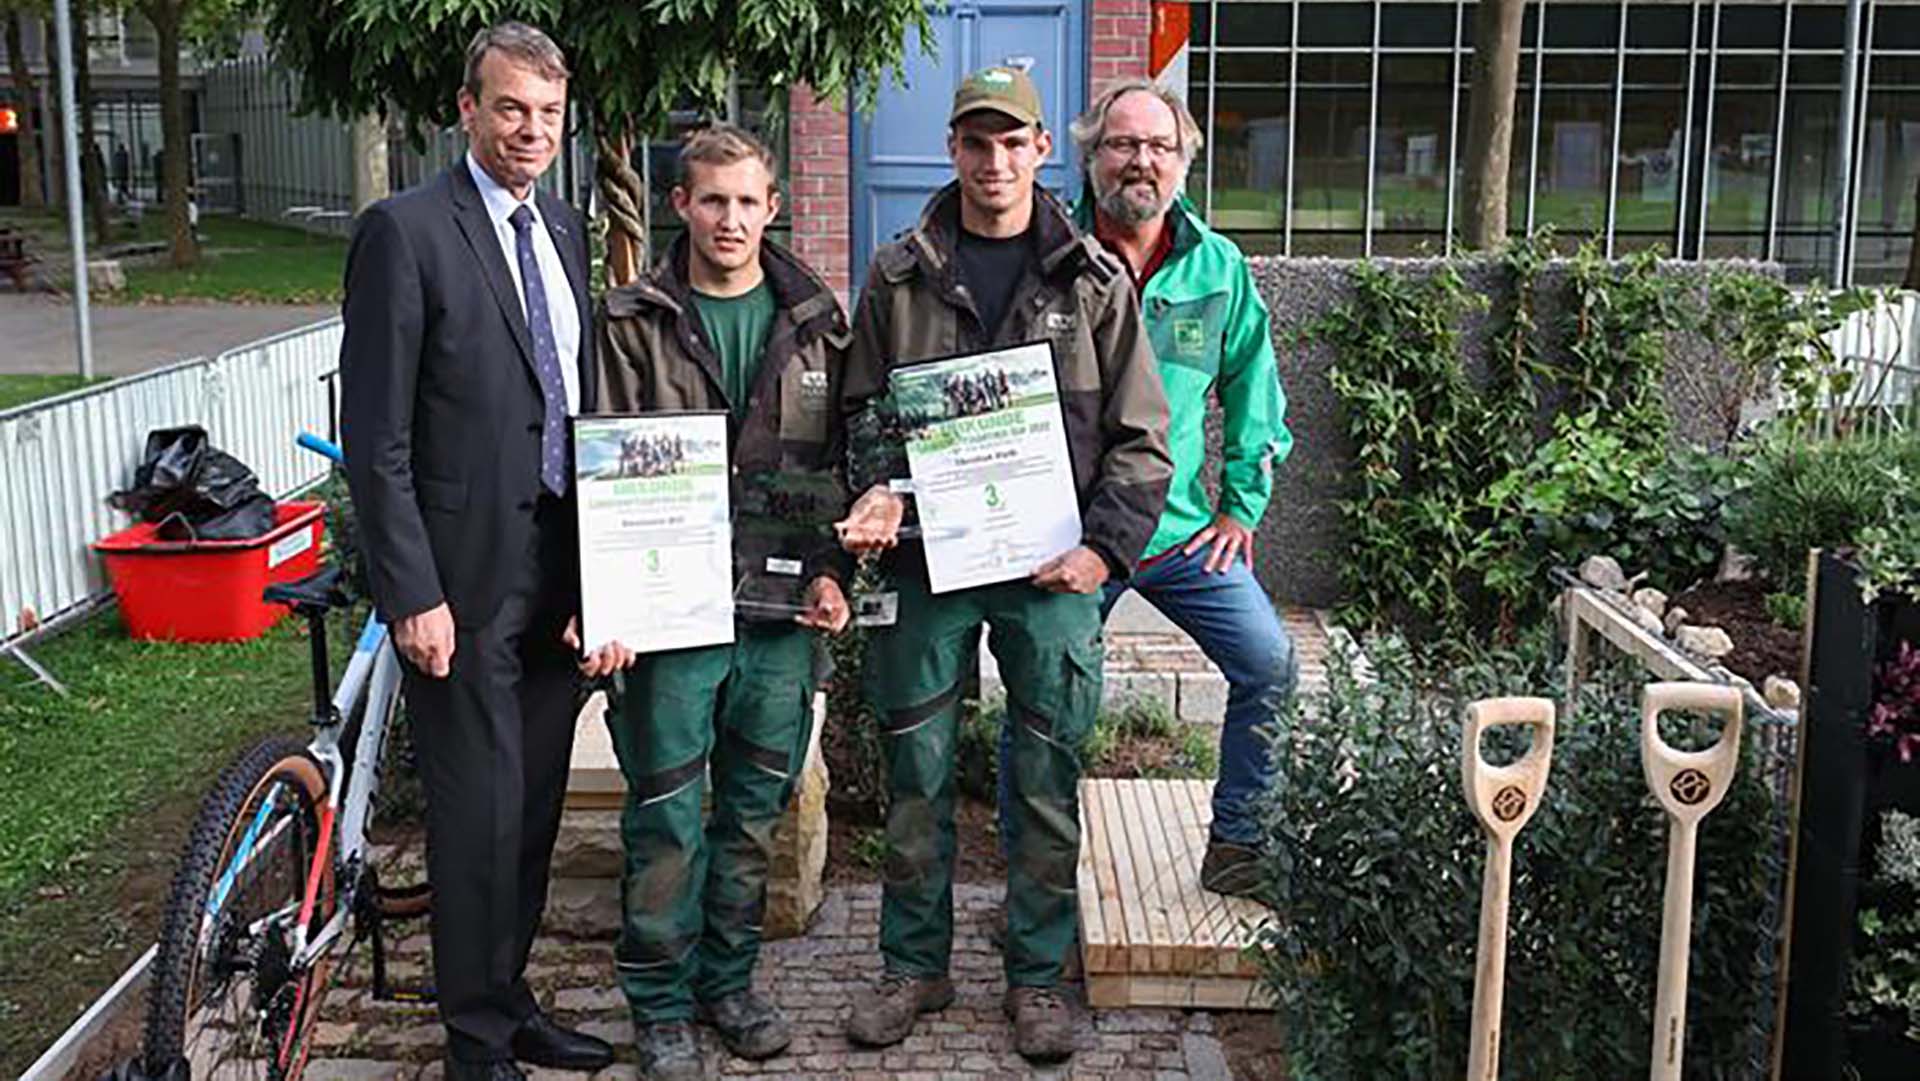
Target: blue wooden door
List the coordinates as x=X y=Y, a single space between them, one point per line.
x=900 y=153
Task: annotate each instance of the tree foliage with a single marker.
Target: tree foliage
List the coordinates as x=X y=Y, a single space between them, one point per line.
x=633 y=63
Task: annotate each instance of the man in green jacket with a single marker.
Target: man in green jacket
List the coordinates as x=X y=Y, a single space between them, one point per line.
x=995 y=261
x=728 y=321
x=1210 y=335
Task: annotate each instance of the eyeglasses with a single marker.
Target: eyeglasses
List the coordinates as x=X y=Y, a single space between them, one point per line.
x=1126 y=146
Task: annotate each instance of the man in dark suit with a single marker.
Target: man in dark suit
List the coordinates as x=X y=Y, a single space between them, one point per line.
x=467 y=346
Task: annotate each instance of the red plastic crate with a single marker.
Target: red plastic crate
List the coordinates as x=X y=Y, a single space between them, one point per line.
x=209 y=591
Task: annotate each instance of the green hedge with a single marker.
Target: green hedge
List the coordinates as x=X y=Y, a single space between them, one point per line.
x=1378 y=861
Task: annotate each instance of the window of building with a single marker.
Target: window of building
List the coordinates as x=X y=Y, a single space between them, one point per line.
x=1686 y=135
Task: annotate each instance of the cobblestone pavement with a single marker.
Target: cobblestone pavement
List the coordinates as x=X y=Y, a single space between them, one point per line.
x=812 y=978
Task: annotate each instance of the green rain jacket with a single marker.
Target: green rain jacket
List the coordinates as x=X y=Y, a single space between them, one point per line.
x=1210 y=333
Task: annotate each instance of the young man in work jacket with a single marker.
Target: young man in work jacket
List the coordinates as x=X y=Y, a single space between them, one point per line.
x=995 y=261
x=728 y=321
x=1210 y=334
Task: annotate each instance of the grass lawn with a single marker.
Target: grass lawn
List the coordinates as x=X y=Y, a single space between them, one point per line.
x=241 y=261
x=100 y=788
x=247 y=261
x=21 y=389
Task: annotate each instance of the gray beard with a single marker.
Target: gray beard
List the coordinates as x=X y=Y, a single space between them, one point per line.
x=1124 y=211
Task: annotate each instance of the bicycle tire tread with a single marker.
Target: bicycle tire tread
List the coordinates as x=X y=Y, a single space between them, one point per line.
x=186 y=898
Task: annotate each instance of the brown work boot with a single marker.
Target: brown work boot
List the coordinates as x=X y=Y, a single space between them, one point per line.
x=1043 y=1027
x=1235 y=870
x=749 y=1025
x=884 y=1011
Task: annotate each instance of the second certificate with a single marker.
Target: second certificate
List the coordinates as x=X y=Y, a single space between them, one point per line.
x=987 y=447
x=656 y=550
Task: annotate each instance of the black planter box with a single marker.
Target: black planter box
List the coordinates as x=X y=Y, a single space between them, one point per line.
x=1844 y=783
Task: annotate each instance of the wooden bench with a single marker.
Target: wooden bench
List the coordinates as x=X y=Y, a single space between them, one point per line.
x=16 y=261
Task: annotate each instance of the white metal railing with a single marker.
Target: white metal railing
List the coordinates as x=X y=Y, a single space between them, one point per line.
x=1880 y=349
x=61 y=457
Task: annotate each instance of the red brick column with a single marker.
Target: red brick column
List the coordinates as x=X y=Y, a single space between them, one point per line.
x=819 y=158
x=1122 y=32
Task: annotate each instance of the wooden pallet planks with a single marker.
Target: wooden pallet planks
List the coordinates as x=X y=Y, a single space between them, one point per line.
x=1151 y=936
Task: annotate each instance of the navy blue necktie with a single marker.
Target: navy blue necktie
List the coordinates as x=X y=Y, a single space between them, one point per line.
x=546 y=357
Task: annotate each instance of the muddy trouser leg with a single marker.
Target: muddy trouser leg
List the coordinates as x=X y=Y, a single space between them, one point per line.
x=913 y=680
x=663 y=734
x=1048 y=646
x=760 y=744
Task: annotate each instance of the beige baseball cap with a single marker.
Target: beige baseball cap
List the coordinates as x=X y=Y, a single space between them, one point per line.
x=1000 y=89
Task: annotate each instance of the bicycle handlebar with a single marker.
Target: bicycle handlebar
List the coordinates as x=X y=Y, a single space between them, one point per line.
x=320 y=446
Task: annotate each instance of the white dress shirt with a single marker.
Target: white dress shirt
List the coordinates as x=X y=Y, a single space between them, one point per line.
x=553 y=274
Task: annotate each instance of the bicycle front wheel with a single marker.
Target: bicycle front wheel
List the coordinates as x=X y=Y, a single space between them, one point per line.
x=228 y=997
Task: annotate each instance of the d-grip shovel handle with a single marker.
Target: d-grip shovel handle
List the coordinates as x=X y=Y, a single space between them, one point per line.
x=1503 y=798
x=1689 y=784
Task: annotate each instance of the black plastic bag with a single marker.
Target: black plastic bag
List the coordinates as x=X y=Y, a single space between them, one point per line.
x=195 y=491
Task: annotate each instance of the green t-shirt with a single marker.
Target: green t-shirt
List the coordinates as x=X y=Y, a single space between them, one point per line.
x=737 y=328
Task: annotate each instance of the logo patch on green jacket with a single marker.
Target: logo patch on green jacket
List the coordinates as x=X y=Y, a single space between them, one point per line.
x=1190 y=337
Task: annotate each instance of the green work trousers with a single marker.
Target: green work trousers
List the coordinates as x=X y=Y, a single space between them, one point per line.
x=1049 y=650
x=693 y=892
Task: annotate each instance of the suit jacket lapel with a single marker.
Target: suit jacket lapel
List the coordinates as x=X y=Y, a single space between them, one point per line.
x=559 y=219
x=470 y=212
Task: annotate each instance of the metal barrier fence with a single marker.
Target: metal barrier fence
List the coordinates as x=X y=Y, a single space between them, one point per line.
x=1880 y=348
x=60 y=458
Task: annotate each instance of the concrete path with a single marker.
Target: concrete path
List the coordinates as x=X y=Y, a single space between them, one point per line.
x=36 y=332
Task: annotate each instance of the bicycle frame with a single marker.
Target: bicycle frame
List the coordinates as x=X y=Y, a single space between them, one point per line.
x=372 y=681
x=372 y=673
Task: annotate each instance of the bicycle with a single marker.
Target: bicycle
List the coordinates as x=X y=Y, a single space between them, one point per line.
x=277 y=870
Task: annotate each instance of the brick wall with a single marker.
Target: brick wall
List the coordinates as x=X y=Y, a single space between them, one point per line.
x=1121 y=32
x=819 y=164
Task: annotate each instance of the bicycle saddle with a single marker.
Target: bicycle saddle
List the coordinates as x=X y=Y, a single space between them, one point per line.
x=320 y=590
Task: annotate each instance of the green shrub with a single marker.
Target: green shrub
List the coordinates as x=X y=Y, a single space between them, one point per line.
x=1456 y=508
x=1378 y=861
x=851 y=741
x=1590 y=490
x=1802 y=494
x=1196 y=754
x=1886 y=973
x=1787 y=609
x=977 y=749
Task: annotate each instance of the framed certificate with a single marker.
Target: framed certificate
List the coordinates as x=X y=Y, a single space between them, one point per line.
x=987 y=448
x=656 y=545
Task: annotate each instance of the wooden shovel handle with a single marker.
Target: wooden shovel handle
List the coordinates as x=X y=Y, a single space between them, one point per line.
x=1689 y=784
x=1505 y=797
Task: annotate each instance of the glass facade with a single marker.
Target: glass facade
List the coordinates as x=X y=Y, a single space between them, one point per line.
x=1699 y=128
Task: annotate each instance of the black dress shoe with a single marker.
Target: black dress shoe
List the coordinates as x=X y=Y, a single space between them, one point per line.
x=495 y=1069
x=543 y=1043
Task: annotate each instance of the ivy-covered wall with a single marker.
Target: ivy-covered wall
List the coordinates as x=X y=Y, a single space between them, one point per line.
x=1301 y=540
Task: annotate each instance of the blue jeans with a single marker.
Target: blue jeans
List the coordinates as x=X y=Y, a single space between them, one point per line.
x=1231 y=619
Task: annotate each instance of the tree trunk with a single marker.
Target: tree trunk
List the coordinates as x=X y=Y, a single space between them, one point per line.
x=1496 y=71
x=25 y=95
x=93 y=171
x=56 y=192
x=623 y=195
x=370 y=179
x=1913 y=253
x=183 y=249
